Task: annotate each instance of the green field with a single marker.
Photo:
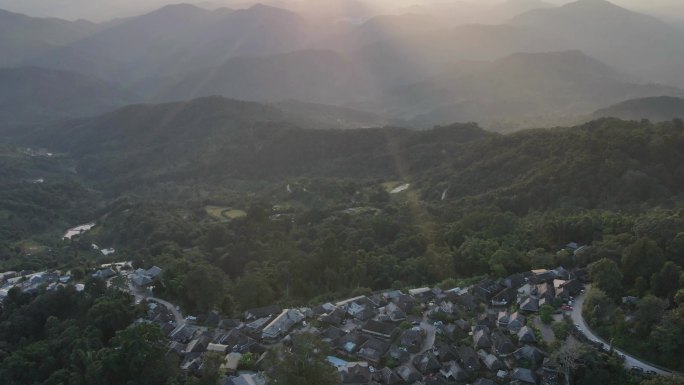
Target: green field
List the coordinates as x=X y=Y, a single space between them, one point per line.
x=222 y=213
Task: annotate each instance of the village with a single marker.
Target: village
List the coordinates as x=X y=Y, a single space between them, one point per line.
x=487 y=333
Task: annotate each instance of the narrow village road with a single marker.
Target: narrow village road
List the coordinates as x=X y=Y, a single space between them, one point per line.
x=430 y=335
x=140 y=295
x=630 y=361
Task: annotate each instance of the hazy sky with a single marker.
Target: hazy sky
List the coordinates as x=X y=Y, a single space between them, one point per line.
x=99 y=10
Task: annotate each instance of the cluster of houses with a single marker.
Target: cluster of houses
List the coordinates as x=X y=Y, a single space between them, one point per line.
x=32 y=282
x=143 y=278
x=477 y=335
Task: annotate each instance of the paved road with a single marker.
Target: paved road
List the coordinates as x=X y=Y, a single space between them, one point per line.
x=630 y=361
x=142 y=295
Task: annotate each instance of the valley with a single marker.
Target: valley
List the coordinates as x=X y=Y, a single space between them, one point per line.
x=342 y=192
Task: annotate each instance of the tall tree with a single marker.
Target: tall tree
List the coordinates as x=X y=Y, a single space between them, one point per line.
x=606 y=275
x=304 y=363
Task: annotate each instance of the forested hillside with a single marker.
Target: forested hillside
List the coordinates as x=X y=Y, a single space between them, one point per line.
x=321 y=204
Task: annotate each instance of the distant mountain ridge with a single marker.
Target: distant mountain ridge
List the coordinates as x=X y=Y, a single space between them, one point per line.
x=178 y=39
x=641 y=44
x=656 y=108
x=22 y=37
x=31 y=95
x=524 y=84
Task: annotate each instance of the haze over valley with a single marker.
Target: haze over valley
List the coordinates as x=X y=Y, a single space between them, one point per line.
x=341 y=192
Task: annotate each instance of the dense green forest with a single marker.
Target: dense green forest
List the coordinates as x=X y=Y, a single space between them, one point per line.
x=243 y=208
x=40 y=196
x=81 y=338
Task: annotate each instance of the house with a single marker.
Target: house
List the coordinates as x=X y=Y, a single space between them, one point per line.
x=255 y=327
x=365 y=314
x=334 y=317
x=435 y=381
x=446 y=307
x=486 y=289
x=323 y=309
x=143 y=278
x=399 y=354
x=526 y=336
x=217 y=348
x=141 y=281
x=486 y=320
x=501 y=344
x=444 y=352
x=503 y=318
x=361 y=300
x=542 y=275
x=177 y=347
x=530 y=305
x=373 y=350
x=351 y=342
x=104 y=273
x=466 y=301
x=356 y=373
x=198 y=345
x=530 y=354
x=420 y=292
x=405 y=302
x=408 y=374
x=468 y=358
x=182 y=333
x=481 y=338
x=246 y=379
x=484 y=381
x=412 y=339
x=561 y=273
x=427 y=363
x=462 y=324
x=379 y=329
x=332 y=335
x=505 y=297
x=454 y=372
x=236 y=341
x=231 y=362
x=523 y=375
x=393 y=313
x=490 y=361
x=573 y=287
x=154 y=273
x=281 y=324
x=392 y=295
x=262 y=312
x=387 y=376
x=515 y=322
x=514 y=281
